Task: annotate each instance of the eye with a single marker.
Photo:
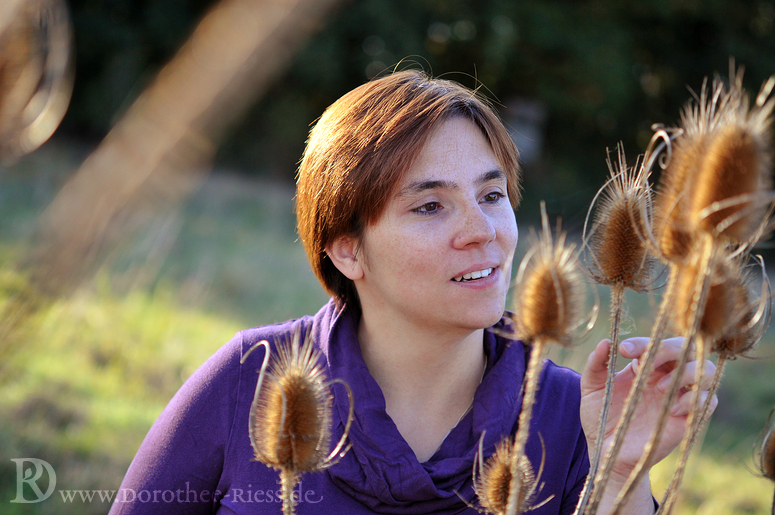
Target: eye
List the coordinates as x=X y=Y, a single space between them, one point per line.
x=428 y=208
x=493 y=197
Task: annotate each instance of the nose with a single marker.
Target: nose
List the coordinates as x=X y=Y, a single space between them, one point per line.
x=475 y=228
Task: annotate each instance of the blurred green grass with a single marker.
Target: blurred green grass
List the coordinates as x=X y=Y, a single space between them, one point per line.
x=96 y=367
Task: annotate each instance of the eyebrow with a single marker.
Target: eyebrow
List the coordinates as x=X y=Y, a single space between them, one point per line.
x=418 y=187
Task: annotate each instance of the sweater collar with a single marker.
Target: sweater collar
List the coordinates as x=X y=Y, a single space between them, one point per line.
x=381 y=470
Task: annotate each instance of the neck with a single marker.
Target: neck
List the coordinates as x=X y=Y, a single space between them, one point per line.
x=428 y=379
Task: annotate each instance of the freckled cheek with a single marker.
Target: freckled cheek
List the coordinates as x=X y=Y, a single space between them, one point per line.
x=413 y=255
x=509 y=233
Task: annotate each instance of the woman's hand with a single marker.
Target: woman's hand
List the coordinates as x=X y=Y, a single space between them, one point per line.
x=593 y=381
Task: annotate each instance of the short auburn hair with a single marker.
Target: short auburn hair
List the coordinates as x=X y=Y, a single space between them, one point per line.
x=360 y=148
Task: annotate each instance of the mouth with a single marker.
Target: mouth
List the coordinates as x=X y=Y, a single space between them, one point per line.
x=473 y=276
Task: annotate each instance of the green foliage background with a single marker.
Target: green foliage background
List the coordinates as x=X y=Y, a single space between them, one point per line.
x=604 y=70
x=96 y=368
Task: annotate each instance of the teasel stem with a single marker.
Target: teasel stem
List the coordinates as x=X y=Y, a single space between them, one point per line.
x=532 y=375
x=646 y=365
x=697 y=423
x=617 y=301
x=288 y=481
x=698 y=306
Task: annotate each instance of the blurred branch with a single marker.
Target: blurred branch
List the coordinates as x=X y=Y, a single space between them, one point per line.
x=160 y=149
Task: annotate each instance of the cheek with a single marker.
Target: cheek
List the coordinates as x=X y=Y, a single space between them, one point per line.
x=509 y=233
x=391 y=253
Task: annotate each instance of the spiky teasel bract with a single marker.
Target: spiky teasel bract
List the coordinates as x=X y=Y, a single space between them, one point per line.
x=290 y=416
x=617 y=254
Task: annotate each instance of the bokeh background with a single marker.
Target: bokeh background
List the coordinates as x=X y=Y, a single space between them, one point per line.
x=87 y=364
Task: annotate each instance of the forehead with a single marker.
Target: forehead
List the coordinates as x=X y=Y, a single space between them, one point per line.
x=456 y=151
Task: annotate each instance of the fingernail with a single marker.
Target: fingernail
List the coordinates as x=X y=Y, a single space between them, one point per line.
x=664 y=383
x=676 y=408
x=628 y=347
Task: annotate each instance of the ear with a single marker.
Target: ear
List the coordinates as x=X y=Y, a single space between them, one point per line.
x=344 y=254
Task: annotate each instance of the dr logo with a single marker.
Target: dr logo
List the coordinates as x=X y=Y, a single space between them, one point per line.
x=32 y=476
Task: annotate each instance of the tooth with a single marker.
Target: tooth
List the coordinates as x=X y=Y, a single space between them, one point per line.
x=476 y=275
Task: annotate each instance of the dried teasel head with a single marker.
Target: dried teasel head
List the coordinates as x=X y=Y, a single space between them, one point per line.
x=549 y=295
x=36 y=73
x=748 y=319
x=494 y=480
x=617 y=254
x=290 y=415
x=732 y=317
x=767 y=458
x=674 y=238
x=727 y=188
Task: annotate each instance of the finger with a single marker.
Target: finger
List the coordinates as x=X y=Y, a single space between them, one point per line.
x=683 y=406
x=633 y=348
x=596 y=369
x=688 y=376
x=668 y=352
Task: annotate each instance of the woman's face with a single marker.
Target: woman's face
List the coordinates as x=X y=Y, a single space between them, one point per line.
x=441 y=253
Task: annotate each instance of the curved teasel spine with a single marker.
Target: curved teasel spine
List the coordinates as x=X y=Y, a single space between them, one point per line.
x=548 y=307
x=619 y=258
x=290 y=416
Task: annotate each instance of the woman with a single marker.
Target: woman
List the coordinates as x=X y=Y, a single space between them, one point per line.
x=405 y=205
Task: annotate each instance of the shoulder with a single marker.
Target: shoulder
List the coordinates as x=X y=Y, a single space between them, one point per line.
x=559 y=378
x=558 y=399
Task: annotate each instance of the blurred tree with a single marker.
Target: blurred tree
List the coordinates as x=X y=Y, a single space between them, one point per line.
x=602 y=70
x=120 y=46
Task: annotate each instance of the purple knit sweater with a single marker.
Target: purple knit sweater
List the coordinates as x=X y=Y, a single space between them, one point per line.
x=197 y=457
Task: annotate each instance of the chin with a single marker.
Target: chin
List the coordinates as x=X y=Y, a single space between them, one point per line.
x=486 y=318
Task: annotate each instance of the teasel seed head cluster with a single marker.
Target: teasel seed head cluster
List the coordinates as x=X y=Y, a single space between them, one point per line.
x=718 y=179
x=617 y=253
x=722 y=297
x=749 y=318
x=290 y=417
x=492 y=485
x=550 y=289
x=712 y=205
x=674 y=238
